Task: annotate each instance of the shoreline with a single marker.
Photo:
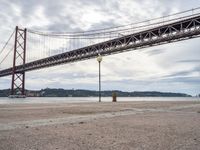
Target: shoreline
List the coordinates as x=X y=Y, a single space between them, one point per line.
x=55 y=100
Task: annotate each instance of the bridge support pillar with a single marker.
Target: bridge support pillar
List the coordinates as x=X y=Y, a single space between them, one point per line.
x=18 y=78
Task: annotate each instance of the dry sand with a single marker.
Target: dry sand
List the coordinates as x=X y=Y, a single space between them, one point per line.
x=95 y=126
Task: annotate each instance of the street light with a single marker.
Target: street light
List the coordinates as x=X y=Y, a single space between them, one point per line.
x=99 y=59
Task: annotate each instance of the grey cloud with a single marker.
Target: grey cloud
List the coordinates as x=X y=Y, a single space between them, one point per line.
x=155 y=52
x=189 y=61
x=65 y=26
x=192 y=80
x=180 y=73
x=66 y=75
x=104 y=24
x=183 y=76
x=188 y=85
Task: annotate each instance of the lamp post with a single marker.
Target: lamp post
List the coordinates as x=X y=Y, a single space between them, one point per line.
x=99 y=59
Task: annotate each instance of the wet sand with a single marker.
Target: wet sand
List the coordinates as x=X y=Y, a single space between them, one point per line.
x=95 y=126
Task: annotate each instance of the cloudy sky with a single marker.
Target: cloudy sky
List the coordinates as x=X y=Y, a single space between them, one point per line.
x=173 y=67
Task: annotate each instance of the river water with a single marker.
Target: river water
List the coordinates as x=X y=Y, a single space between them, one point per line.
x=5 y=100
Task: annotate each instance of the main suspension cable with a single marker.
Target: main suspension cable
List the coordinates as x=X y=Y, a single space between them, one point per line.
x=6 y=55
x=7 y=42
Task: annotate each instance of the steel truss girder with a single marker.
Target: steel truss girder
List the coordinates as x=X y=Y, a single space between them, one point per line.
x=173 y=32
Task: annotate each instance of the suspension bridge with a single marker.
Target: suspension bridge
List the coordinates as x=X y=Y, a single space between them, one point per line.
x=28 y=50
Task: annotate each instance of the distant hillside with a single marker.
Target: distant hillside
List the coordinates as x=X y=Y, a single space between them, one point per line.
x=87 y=93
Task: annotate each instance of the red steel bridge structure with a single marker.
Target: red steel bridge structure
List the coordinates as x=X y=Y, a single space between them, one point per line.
x=75 y=46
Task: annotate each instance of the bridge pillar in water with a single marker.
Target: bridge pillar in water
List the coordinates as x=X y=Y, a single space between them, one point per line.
x=18 y=78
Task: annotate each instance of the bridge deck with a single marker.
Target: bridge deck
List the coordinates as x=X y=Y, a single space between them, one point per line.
x=180 y=30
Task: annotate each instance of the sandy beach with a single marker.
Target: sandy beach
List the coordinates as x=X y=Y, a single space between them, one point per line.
x=95 y=126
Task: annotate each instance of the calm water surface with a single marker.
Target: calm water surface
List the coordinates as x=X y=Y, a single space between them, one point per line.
x=5 y=100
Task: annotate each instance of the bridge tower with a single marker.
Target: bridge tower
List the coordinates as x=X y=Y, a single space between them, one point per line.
x=18 y=78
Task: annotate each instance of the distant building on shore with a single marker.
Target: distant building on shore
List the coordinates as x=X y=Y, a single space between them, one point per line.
x=33 y=94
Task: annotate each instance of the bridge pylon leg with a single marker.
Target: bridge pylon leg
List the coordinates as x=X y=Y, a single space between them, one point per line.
x=19 y=58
